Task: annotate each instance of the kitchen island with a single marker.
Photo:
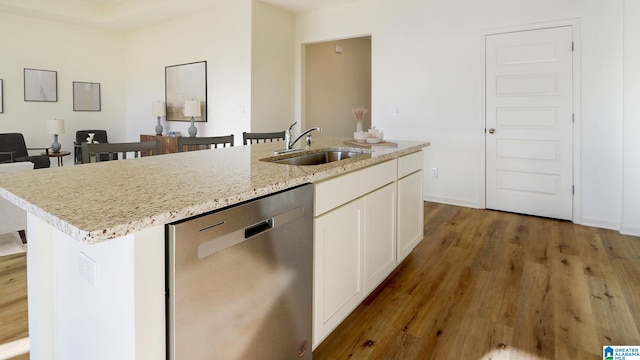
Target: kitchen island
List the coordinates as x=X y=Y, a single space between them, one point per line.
x=96 y=238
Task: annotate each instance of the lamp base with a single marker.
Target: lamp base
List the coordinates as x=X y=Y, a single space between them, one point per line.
x=55 y=147
x=193 y=130
x=159 y=127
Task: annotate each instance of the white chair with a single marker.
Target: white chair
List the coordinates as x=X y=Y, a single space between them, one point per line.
x=13 y=218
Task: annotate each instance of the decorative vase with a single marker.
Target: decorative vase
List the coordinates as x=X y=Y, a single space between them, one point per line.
x=359 y=126
x=55 y=147
x=159 y=127
x=192 y=129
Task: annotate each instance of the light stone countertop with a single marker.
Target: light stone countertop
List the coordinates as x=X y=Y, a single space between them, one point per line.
x=101 y=201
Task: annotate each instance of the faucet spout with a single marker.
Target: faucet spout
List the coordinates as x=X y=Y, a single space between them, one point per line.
x=289 y=144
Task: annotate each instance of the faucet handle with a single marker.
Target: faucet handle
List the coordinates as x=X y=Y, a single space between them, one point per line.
x=291 y=126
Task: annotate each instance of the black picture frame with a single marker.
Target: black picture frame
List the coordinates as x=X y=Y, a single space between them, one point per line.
x=40 y=85
x=86 y=96
x=185 y=82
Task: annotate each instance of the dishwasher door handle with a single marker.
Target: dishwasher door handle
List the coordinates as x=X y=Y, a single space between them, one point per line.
x=218 y=244
x=258 y=228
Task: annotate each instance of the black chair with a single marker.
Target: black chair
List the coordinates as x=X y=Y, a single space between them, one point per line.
x=254 y=138
x=81 y=137
x=14 y=149
x=202 y=143
x=110 y=150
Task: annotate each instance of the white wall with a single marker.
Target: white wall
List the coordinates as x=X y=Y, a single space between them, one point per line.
x=272 y=68
x=427 y=59
x=631 y=178
x=335 y=84
x=223 y=39
x=77 y=54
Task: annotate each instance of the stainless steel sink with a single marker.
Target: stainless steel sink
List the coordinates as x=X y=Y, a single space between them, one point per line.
x=317 y=158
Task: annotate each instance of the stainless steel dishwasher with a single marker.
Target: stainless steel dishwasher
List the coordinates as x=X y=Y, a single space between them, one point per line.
x=239 y=281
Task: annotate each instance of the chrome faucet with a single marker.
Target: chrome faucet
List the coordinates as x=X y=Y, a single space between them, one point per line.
x=288 y=143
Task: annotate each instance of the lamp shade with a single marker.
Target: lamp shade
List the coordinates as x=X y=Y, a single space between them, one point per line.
x=158 y=108
x=192 y=108
x=55 y=126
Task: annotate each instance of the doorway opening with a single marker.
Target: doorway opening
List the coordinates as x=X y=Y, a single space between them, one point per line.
x=337 y=78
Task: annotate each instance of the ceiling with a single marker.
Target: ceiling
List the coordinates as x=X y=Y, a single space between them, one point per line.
x=128 y=15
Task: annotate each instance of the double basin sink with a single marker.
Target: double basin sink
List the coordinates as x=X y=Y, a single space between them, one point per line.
x=319 y=157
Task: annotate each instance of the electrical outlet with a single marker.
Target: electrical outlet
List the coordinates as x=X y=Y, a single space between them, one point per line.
x=434 y=172
x=87 y=268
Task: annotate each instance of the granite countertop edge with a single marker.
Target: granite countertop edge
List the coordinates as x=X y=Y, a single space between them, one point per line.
x=305 y=175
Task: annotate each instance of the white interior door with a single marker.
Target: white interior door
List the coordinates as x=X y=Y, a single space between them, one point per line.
x=529 y=122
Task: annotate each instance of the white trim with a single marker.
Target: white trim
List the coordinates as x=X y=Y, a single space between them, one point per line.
x=630 y=230
x=453 y=201
x=577 y=108
x=14 y=348
x=600 y=223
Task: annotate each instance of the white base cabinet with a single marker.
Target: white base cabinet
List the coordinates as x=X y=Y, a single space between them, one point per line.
x=379 y=236
x=410 y=214
x=338 y=271
x=365 y=223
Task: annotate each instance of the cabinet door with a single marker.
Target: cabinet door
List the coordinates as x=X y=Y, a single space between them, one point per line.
x=410 y=213
x=380 y=236
x=338 y=275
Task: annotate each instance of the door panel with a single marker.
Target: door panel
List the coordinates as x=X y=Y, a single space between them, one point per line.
x=529 y=106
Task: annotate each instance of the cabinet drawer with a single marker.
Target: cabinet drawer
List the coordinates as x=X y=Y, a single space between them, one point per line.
x=410 y=163
x=334 y=192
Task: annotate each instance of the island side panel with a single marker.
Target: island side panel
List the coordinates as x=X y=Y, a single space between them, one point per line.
x=95 y=301
x=40 y=288
x=150 y=310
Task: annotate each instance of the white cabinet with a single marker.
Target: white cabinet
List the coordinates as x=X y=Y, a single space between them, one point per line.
x=365 y=223
x=354 y=234
x=379 y=236
x=410 y=204
x=338 y=270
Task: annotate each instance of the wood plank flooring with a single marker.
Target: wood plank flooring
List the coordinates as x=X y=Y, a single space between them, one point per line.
x=481 y=285
x=13 y=299
x=491 y=285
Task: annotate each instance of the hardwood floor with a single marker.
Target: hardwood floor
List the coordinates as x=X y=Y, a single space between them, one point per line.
x=13 y=299
x=490 y=285
x=482 y=284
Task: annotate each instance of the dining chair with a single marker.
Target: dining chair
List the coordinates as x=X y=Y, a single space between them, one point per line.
x=202 y=143
x=255 y=138
x=81 y=137
x=111 y=150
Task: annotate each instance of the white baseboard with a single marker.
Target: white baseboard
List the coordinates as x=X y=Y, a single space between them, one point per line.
x=14 y=348
x=599 y=223
x=630 y=230
x=452 y=201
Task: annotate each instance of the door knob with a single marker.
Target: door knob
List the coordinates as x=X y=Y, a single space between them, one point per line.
x=492 y=130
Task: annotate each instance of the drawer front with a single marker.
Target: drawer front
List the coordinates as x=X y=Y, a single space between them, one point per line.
x=410 y=163
x=337 y=191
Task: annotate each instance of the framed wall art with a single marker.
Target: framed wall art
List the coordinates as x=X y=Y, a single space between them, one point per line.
x=185 y=82
x=86 y=96
x=1 y=97
x=40 y=85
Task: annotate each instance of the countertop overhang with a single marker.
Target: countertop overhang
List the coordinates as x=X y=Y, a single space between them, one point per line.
x=102 y=201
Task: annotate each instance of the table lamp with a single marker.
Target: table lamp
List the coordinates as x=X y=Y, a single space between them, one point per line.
x=158 y=109
x=192 y=109
x=55 y=127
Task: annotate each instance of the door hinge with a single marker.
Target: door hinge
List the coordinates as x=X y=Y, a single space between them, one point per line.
x=573 y=189
x=573 y=118
x=572 y=46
